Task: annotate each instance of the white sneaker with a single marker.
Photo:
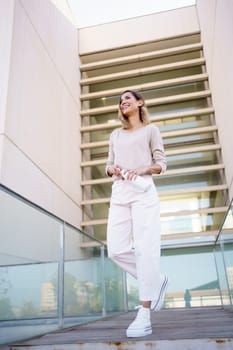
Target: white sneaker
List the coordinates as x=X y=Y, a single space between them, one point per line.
x=156 y=305
x=141 y=326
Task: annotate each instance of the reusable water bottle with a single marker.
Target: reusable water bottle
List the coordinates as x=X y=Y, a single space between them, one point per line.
x=137 y=181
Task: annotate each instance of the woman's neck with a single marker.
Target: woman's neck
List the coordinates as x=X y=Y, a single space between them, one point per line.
x=135 y=122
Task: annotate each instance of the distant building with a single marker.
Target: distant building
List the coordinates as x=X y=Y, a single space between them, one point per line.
x=48 y=298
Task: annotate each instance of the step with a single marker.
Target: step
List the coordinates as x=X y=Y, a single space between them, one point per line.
x=208 y=328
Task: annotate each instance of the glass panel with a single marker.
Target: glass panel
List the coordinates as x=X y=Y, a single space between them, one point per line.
x=93 y=285
x=36 y=294
x=29 y=259
x=224 y=257
x=222 y=276
x=194 y=281
x=115 y=287
x=228 y=263
x=82 y=278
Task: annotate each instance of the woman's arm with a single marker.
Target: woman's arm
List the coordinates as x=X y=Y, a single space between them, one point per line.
x=111 y=168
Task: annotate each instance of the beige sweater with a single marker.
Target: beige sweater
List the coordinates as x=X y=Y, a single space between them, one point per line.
x=140 y=148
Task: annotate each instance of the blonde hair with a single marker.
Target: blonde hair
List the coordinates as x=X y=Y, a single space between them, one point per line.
x=143 y=112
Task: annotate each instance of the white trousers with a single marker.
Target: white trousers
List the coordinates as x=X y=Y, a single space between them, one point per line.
x=133 y=235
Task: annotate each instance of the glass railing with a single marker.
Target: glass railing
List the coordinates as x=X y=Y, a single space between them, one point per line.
x=224 y=258
x=51 y=274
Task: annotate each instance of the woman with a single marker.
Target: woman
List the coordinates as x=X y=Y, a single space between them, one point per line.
x=133 y=232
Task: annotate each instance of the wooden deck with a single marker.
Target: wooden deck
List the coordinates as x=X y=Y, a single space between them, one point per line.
x=214 y=326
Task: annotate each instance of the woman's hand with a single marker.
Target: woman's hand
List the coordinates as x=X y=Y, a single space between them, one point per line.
x=114 y=170
x=133 y=173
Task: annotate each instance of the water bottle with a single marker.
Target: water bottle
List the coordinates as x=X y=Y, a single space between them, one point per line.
x=137 y=181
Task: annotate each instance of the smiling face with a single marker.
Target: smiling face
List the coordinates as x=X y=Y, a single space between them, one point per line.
x=129 y=104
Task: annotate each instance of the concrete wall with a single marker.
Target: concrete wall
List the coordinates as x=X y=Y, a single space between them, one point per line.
x=136 y=30
x=39 y=106
x=64 y=7
x=215 y=17
x=6 y=27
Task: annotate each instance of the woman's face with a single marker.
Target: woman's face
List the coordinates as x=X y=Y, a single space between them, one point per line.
x=129 y=104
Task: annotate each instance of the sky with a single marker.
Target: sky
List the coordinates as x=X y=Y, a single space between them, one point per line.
x=93 y=12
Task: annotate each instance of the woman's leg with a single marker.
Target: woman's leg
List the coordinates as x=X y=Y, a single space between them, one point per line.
x=119 y=238
x=146 y=228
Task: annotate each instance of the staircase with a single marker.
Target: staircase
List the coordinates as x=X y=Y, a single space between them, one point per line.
x=172 y=76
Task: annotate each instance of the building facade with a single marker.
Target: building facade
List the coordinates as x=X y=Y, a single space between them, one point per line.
x=58 y=106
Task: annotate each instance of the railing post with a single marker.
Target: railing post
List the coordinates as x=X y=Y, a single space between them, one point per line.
x=102 y=256
x=60 y=300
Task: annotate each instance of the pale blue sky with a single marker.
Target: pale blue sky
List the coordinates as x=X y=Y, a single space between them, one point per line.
x=93 y=12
